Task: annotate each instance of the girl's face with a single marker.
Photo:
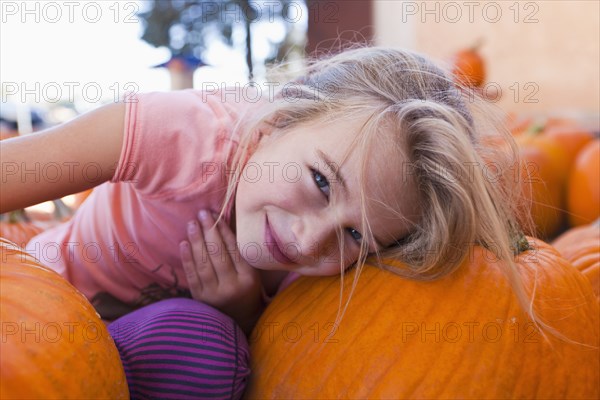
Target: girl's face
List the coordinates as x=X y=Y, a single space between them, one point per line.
x=297 y=189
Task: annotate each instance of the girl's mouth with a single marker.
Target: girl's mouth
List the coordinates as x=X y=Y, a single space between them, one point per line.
x=274 y=244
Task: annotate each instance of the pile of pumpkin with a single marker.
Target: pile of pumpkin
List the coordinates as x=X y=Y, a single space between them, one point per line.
x=559 y=173
x=563 y=169
x=562 y=181
x=462 y=336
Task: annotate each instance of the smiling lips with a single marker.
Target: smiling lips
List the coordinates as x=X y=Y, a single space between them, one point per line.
x=274 y=244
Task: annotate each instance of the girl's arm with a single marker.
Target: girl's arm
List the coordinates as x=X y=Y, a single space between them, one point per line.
x=62 y=160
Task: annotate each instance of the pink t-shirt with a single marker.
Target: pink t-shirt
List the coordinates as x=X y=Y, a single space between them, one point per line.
x=121 y=248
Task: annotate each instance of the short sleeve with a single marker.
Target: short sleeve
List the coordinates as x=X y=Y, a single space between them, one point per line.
x=171 y=139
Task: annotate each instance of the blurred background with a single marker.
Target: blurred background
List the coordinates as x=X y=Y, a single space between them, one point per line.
x=63 y=58
x=538 y=61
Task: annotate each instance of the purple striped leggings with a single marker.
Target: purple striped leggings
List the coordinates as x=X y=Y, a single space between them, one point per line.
x=182 y=349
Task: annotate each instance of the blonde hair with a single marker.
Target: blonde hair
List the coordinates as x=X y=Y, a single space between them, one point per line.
x=437 y=128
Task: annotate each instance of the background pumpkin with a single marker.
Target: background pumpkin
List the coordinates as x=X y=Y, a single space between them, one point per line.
x=570 y=136
x=16 y=227
x=581 y=246
x=54 y=344
x=463 y=336
x=517 y=123
x=583 y=192
x=80 y=197
x=21 y=225
x=6 y=134
x=469 y=66
x=544 y=173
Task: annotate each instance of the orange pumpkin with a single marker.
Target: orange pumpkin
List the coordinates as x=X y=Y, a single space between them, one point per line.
x=8 y=134
x=81 y=197
x=544 y=173
x=469 y=67
x=462 y=336
x=581 y=246
x=570 y=137
x=17 y=228
x=54 y=345
x=517 y=124
x=583 y=192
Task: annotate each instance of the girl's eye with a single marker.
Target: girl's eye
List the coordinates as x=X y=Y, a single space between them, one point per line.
x=323 y=185
x=355 y=234
x=321 y=182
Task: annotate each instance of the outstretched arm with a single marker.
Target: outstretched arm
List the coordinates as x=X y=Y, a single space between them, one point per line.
x=62 y=160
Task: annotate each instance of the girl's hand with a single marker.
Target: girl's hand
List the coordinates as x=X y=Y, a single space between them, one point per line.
x=217 y=274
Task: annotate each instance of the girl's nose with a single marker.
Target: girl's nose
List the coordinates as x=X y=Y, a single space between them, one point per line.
x=315 y=237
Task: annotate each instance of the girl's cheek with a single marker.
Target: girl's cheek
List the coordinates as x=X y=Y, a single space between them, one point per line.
x=330 y=261
x=296 y=194
x=333 y=267
x=350 y=258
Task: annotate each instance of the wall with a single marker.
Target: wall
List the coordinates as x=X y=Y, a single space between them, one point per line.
x=335 y=24
x=548 y=50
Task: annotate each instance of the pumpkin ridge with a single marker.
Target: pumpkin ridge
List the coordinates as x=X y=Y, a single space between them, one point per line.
x=364 y=322
x=278 y=370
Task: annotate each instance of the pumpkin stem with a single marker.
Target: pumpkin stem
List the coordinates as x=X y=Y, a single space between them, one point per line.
x=14 y=217
x=61 y=210
x=520 y=242
x=535 y=129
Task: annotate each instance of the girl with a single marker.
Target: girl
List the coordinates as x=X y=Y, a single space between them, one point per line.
x=373 y=151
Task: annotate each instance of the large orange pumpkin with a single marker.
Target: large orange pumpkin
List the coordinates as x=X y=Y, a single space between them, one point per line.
x=54 y=345
x=462 y=336
x=583 y=192
x=581 y=246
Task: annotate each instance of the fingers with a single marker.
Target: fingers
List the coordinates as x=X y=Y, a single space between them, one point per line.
x=216 y=273
x=223 y=254
x=229 y=241
x=211 y=258
x=230 y=244
x=189 y=267
x=196 y=261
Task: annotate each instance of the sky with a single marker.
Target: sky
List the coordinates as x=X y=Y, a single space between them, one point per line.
x=90 y=52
